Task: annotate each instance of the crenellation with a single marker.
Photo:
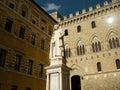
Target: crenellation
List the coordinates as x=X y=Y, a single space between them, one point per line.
x=65 y=18
x=83 y=11
x=77 y=13
x=97 y=12
x=105 y=3
x=98 y=6
x=59 y=19
x=71 y=15
x=90 y=8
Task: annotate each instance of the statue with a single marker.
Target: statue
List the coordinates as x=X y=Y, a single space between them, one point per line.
x=57 y=43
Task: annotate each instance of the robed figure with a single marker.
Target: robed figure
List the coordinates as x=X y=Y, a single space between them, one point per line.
x=57 y=43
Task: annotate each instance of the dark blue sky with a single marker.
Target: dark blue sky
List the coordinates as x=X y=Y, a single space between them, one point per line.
x=65 y=7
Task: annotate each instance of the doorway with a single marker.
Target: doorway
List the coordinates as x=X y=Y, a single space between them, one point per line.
x=75 y=82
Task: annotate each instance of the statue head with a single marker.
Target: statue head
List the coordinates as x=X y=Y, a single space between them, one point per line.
x=56 y=27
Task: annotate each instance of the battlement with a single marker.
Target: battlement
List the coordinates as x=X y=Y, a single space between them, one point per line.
x=99 y=10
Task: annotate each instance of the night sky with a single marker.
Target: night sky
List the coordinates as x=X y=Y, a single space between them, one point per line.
x=65 y=7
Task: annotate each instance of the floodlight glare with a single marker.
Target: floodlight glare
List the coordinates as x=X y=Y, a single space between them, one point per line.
x=110 y=20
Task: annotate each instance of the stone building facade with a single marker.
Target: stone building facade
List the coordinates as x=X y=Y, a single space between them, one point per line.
x=25 y=33
x=92 y=46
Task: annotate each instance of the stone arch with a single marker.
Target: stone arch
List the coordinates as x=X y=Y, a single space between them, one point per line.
x=115 y=32
x=92 y=37
x=75 y=76
x=113 y=39
x=76 y=70
x=95 y=43
x=79 y=40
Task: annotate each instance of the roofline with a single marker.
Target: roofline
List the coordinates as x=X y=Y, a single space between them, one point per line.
x=43 y=10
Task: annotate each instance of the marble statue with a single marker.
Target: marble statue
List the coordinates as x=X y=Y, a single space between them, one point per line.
x=56 y=45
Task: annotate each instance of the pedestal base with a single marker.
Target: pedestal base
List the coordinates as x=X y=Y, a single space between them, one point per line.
x=58 y=77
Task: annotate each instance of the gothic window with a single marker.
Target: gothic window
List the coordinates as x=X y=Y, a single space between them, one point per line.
x=99 y=67
x=93 y=24
x=114 y=43
x=66 y=32
x=67 y=52
x=83 y=49
x=8 y=25
x=110 y=43
x=79 y=28
x=41 y=70
x=80 y=50
x=22 y=32
x=99 y=46
x=118 y=63
x=96 y=46
x=3 y=54
x=30 y=67
x=93 y=47
x=117 y=42
x=17 y=62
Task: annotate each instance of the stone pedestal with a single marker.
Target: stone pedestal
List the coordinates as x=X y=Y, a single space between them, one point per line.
x=57 y=77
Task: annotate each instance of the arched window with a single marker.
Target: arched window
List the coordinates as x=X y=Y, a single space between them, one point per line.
x=80 y=48
x=118 y=63
x=93 y=24
x=78 y=52
x=117 y=42
x=67 y=52
x=110 y=43
x=93 y=47
x=96 y=46
x=79 y=28
x=66 y=32
x=99 y=67
x=114 y=43
x=83 y=49
x=99 y=46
